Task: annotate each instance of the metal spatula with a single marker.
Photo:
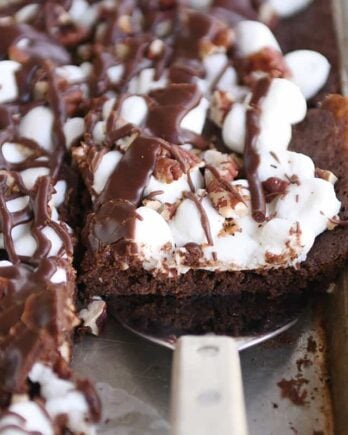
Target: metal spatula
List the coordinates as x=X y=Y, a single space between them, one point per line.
x=207 y=391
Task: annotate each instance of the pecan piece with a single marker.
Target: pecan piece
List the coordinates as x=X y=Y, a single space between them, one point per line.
x=167 y=170
x=221 y=104
x=268 y=61
x=225 y=197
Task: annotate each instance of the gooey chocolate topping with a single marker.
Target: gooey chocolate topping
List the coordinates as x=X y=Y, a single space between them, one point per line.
x=36 y=318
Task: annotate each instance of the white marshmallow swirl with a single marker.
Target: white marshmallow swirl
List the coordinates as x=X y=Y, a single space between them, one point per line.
x=297 y=215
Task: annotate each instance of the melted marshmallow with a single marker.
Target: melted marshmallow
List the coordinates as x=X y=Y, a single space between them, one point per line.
x=73 y=129
x=171 y=192
x=252 y=37
x=62 y=399
x=194 y=233
x=26 y=13
x=286 y=8
x=26 y=417
x=8 y=84
x=310 y=71
x=15 y=153
x=37 y=125
x=299 y=215
x=105 y=168
x=275 y=121
x=153 y=236
x=145 y=82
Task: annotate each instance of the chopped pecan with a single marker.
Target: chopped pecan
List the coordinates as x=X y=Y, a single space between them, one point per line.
x=226 y=165
x=268 y=61
x=167 y=170
x=227 y=202
x=226 y=197
x=167 y=211
x=221 y=104
x=125 y=24
x=174 y=162
x=220 y=42
x=230 y=228
x=325 y=175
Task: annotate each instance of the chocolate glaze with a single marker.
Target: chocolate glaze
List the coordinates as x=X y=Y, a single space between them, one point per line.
x=36 y=213
x=131 y=175
x=40 y=46
x=181 y=55
x=195 y=30
x=113 y=223
x=251 y=157
x=116 y=216
x=168 y=108
x=31 y=320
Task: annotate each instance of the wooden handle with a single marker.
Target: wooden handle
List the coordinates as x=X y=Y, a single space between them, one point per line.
x=207 y=390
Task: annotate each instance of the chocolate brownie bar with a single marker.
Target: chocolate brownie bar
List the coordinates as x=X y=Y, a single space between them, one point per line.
x=37 y=313
x=170 y=214
x=41 y=95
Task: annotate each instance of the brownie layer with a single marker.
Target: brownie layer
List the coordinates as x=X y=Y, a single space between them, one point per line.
x=323 y=136
x=170 y=317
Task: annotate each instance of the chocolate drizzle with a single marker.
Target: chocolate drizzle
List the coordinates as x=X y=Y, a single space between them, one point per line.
x=234 y=11
x=192 y=35
x=33 y=322
x=204 y=218
x=37 y=214
x=196 y=30
x=167 y=110
x=39 y=45
x=251 y=157
x=129 y=179
x=116 y=216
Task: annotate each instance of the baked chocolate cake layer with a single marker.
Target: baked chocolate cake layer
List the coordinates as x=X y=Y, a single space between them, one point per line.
x=323 y=136
x=167 y=316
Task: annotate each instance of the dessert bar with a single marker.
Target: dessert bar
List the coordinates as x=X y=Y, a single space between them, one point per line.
x=189 y=162
x=39 y=93
x=180 y=148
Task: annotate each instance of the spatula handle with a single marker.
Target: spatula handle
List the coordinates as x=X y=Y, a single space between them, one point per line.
x=207 y=390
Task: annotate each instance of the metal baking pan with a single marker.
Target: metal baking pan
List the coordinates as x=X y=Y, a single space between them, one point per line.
x=295 y=384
